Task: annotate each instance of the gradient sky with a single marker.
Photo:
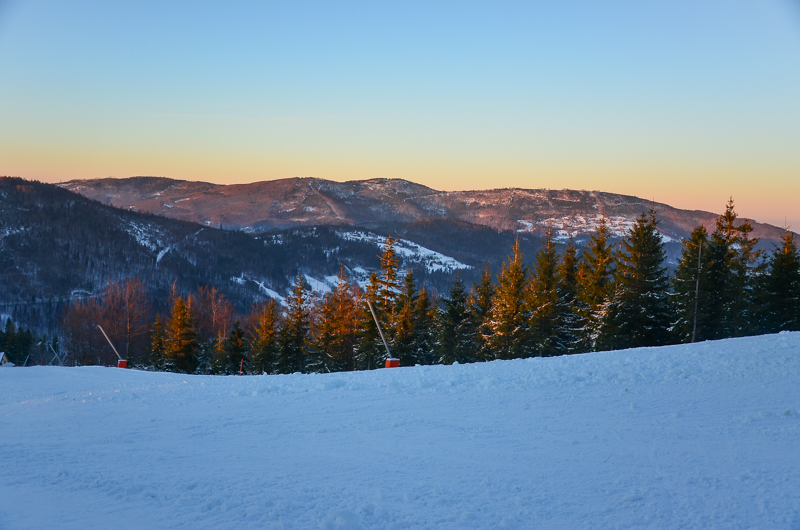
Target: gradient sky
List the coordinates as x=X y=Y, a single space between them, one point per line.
x=684 y=102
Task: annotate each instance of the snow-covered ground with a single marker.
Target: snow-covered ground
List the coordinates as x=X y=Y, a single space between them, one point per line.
x=704 y=435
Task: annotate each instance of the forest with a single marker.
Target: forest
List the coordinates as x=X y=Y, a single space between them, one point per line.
x=606 y=296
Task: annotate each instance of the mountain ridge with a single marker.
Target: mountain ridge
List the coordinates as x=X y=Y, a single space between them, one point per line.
x=309 y=201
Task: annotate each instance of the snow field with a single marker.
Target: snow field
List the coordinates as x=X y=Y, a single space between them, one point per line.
x=690 y=436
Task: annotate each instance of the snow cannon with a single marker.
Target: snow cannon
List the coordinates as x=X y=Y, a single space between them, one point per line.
x=392 y=363
x=121 y=363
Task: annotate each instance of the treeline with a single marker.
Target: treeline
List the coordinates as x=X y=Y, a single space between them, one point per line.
x=608 y=296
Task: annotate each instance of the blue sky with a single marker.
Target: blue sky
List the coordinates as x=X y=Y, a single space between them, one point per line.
x=684 y=102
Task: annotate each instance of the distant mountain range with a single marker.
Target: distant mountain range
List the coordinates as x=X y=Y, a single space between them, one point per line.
x=63 y=243
x=264 y=206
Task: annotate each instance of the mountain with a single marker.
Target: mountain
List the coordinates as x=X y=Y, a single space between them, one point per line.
x=264 y=206
x=57 y=246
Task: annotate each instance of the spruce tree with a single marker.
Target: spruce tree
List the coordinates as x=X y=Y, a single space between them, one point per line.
x=510 y=313
x=157 y=345
x=455 y=340
x=335 y=333
x=370 y=352
x=480 y=307
x=264 y=339
x=568 y=296
x=219 y=355
x=293 y=343
x=404 y=341
x=595 y=286
x=389 y=285
x=235 y=350
x=782 y=288
x=733 y=270
x=424 y=327
x=547 y=309
x=690 y=288
x=181 y=344
x=640 y=312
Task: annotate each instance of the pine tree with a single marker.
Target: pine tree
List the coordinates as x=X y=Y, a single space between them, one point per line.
x=568 y=296
x=424 y=327
x=510 y=313
x=782 y=288
x=389 y=285
x=235 y=350
x=293 y=343
x=404 y=341
x=219 y=355
x=733 y=269
x=547 y=312
x=181 y=345
x=640 y=313
x=455 y=341
x=264 y=339
x=335 y=333
x=480 y=307
x=370 y=352
x=690 y=288
x=157 y=345
x=595 y=286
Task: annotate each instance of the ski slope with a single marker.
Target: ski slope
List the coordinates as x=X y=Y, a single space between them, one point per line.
x=692 y=436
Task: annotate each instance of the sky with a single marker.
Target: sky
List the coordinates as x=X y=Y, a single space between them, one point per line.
x=685 y=102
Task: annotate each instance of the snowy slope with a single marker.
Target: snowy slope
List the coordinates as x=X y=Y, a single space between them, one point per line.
x=690 y=436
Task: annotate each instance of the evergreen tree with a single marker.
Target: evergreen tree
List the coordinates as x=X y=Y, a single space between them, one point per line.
x=733 y=270
x=181 y=345
x=510 y=313
x=424 y=327
x=404 y=341
x=219 y=355
x=335 y=333
x=263 y=339
x=782 y=288
x=389 y=285
x=480 y=307
x=370 y=353
x=690 y=288
x=293 y=343
x=595 y=286
x=455 y=329
x=157 y=345
x=640 y=313
x=547 y=311
x=568 y=296
x=235 y=350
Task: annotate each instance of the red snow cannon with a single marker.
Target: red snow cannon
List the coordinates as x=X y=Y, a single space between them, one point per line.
x=392 y=363
x=122 y=363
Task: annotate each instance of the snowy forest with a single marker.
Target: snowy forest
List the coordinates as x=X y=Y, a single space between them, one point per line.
x=606 y=296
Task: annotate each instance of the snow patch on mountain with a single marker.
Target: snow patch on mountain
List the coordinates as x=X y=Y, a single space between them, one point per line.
x=576 y=225
x=146 y=235
x=410 y=252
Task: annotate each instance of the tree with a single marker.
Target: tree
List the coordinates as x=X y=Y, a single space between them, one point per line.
x=547 y=311
x=510 y=312
x=235 y=350
x=293 y=337
x=690 y=288
x=124 y=313
x=404 y=340
x=455 y=329
x=568 y=296
x=782 y=288
x=480 y=307
x=595 y=286
x=369 y=351
x=389 y=286
x=263 y=338
x=157 y=345
x=640 y=313
x=181 y=346
x=424 y=327
x=733 y=269
x=335 y=333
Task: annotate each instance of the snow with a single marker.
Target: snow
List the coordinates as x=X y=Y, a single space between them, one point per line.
x=316 y=285
x=579 y=224
x=701 y=435
x=410 y=252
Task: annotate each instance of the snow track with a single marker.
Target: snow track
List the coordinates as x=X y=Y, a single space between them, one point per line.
x=692 y=436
